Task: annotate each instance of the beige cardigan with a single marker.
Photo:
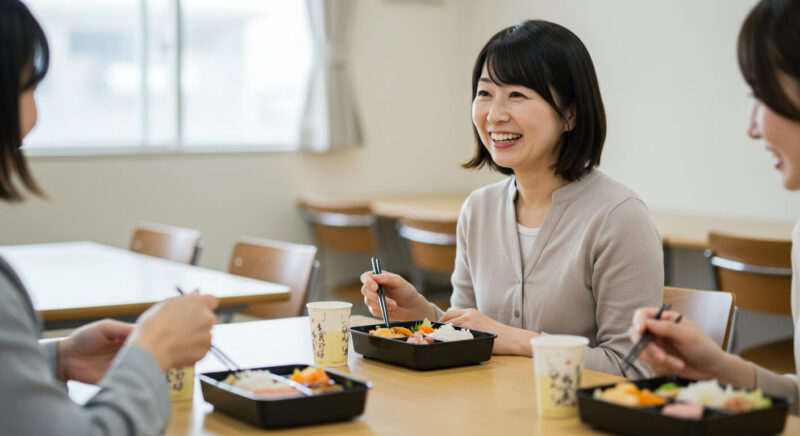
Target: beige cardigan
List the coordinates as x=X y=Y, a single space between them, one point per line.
x=787 y=385
x=596 y=259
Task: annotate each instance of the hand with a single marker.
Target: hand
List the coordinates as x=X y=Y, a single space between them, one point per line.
x=681 y=349
x=403 y=302
x=177 y=332
x=509 y=340
x=86 y=354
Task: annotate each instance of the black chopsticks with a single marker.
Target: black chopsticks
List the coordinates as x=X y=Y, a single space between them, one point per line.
x=645 y=339
x=376 y=269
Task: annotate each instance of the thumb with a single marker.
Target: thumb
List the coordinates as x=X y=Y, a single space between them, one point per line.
x=113 y=329
x=209 y=301
x=665 y=329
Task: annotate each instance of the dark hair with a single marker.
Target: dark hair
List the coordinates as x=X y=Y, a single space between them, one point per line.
x=769 y=42
x=542 y=56
x=24 y=58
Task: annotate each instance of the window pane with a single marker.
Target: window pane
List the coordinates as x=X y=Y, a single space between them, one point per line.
x=245 y=67
x=92 y=96
x=162 y=77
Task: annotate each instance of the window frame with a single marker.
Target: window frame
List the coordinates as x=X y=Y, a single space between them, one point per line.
x=176 y=147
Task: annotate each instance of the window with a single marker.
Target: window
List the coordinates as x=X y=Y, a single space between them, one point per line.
x=168 y=75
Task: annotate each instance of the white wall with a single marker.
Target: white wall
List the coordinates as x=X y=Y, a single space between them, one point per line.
x=413 y=93
x=676 y=104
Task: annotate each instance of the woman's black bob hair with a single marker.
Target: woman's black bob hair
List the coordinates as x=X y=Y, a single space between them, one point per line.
x=769 y=43
x=24 y=59
x=552 y=61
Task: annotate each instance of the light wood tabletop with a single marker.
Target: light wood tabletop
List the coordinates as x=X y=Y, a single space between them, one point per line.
x=77 y=280
x=496 y=397
x=678 y=230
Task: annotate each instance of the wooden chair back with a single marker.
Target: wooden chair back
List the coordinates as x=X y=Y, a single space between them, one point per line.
x=179 y=244
x=431 y=244
x=341 y=226
x=757 y=271
x=278 y=262
x=712 y=311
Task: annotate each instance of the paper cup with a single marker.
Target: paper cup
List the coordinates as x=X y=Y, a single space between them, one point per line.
x=558 y=362
x=330 y=331
x=181 y=383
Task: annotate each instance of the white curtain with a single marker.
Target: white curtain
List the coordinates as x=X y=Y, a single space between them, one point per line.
x=330 y=119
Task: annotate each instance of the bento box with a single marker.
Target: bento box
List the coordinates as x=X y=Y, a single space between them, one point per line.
x=286 y=411
x=620 y=419
x=436 y=355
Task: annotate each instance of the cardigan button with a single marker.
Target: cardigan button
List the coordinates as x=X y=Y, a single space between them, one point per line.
x=516 y=314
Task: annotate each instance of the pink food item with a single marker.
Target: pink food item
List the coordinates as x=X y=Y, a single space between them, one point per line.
x=683 y=410
x=737 y=404
x=418 y=338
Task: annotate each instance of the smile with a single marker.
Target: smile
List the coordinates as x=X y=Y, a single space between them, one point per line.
x=504 y=140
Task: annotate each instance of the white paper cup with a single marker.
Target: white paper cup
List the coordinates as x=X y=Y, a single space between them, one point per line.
x=330 y=331
x=558 y=361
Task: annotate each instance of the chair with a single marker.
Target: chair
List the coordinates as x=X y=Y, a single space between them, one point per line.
x=712 y=311
x=431 y=248
x=179 y=244
x=758 y=272
x=344 y=227
x=293 y=265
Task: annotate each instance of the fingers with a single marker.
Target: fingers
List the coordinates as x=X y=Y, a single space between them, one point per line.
x=451 y=315
x=661 y=362
x=644 y=313
x=375 y=306
x=667 y=329
x=209 y=301
x=114 y=329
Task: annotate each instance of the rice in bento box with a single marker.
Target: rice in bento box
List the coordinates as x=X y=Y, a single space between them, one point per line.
x=449 y=333
x=260 y=382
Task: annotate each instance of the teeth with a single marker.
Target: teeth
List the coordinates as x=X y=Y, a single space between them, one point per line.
x=505 y=136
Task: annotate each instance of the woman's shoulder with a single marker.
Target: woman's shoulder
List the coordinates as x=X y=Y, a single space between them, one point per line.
x=491 y=192
x=603 y=192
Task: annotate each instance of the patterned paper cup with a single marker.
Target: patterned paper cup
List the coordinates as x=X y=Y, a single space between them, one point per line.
x=558 y=362
x=330 y=331
x=181 y=383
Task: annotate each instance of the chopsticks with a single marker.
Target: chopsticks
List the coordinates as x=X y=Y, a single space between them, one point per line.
x=219 y=354
x=376 y=269
x=234 y=369
x=645 y=339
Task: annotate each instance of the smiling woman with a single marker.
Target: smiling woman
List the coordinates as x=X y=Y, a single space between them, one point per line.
x=558 y=247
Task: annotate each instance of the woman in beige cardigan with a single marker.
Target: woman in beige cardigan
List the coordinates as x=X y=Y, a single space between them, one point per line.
x=769 y=57
x=557 y=247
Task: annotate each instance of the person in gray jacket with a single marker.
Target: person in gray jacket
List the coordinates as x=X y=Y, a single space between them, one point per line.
x=127 y=361
x=558 y=246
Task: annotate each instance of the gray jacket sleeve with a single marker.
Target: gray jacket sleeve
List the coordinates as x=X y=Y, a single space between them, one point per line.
x=133 y=399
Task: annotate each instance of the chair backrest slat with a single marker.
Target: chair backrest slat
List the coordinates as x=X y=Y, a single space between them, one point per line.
x=179 y=244
x=757 y=271
x=712 y=311
x=277 y=262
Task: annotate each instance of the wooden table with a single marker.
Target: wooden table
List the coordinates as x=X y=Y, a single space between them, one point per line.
x=496 y=397
x=678 y=230
x=82 y=280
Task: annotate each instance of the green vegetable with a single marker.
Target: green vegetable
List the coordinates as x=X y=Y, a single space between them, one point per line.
x=426 y=322
x=666 y=387
x=758 y=399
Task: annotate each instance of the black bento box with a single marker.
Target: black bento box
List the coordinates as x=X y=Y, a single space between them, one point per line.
x=649 y=420
x=439 y=354
x=286 y=412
